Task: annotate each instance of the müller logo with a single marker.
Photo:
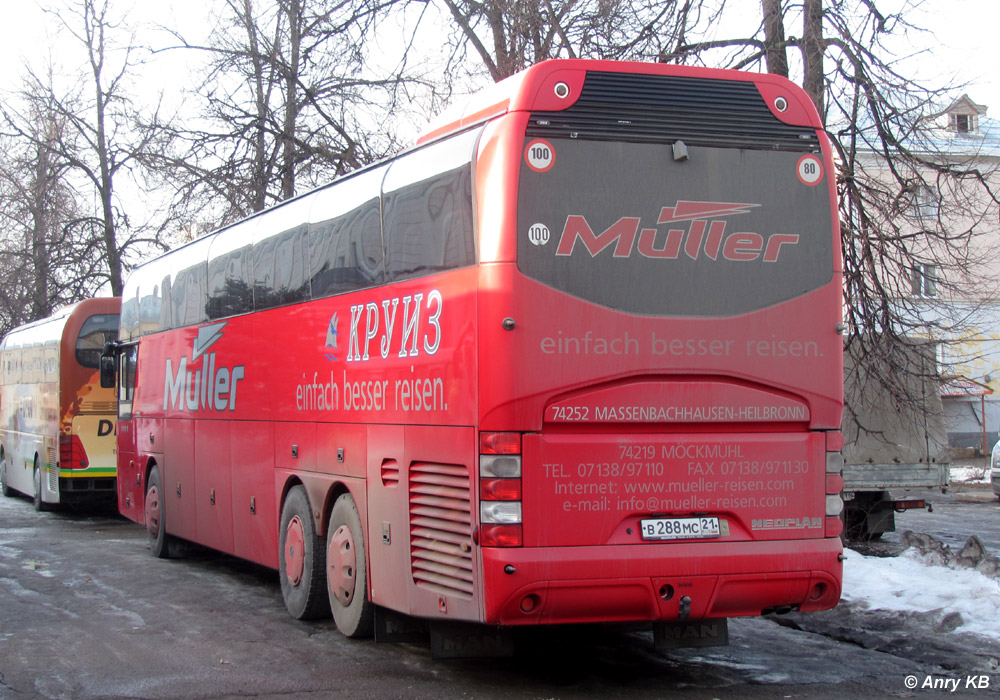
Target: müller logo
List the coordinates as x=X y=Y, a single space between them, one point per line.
x=208 y=387
x=702 y=237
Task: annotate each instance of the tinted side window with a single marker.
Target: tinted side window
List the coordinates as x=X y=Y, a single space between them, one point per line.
x=346 y=252
x=229 y=288
x=427 y=216
x=279 y=264
x=95 y=332
x=429 y=225
x=182 y=289
x=188 y=296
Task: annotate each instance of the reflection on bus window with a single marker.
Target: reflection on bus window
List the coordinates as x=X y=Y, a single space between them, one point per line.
x=96 y=331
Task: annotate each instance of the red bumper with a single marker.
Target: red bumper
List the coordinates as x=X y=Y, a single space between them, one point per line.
x=658 y=582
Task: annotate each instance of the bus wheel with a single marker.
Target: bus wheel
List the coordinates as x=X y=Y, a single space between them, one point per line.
x=4 y=488
x=40 y=505
x=156 y=524
x=301 y=558
x=346 y=571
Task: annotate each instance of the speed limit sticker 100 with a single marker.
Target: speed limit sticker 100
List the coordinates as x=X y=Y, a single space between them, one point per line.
x=539 y=155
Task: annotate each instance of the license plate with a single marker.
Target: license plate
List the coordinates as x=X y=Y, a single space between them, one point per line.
x=679 y=528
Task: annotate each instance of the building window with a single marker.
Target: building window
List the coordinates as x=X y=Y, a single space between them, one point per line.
x=923 y=280
x=926 y=201
x=964 y=123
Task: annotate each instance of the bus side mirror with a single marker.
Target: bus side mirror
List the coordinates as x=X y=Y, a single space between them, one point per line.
x=108 y=366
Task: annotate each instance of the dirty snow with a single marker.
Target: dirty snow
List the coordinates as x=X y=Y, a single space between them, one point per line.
x=909 y=583
x=970 y=475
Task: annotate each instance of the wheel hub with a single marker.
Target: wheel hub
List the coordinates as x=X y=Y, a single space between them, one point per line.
x=153 y=511
x=341 y=562
x=295 y=559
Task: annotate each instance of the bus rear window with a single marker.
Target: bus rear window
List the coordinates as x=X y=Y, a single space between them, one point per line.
x=96 y=331
x=629 y=226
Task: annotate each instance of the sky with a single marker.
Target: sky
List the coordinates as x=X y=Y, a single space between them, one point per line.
x=963 y=44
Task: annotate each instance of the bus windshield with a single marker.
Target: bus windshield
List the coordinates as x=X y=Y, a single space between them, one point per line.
x=96 y=331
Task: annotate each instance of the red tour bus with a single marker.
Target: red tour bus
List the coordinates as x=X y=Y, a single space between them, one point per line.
x=573 y=358
x=57 y=424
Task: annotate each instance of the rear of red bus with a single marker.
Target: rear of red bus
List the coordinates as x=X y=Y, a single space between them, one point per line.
x=660 y=357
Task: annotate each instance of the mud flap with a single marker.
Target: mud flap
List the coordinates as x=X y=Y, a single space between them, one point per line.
x=457 y=640
x=701 y=633
x=397 y=628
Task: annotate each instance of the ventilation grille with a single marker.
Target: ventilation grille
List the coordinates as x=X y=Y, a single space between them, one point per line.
x=441 y=528
x=390 y=473
x=665 y=109
x=52 y=468
x=97 y=407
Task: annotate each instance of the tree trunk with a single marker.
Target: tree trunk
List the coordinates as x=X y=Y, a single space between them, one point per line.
x=774 y=38
x=813 y=49
x=40 y=303
x=291 y=99
x=105 y=185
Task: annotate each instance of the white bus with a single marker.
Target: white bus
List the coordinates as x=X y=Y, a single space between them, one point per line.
x=57 y=425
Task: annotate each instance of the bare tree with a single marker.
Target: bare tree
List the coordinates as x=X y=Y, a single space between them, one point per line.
x=506 y=36
x=101 y=138
x=45 y=256
x=288 y=99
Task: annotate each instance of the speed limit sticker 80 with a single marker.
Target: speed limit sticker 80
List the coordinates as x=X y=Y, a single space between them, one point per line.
x=809 y=169
x=539 y=155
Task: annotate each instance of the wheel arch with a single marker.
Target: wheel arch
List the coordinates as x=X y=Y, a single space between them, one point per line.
x=323 y=490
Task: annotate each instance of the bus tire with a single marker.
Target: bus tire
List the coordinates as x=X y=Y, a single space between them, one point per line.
x=301 y=559
x=4 y=488
x=40 y=505
x=156 y=522
x=347 y=571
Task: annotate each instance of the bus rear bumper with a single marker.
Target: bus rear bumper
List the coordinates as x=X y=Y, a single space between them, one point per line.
x=87 y=491
x=659 y=582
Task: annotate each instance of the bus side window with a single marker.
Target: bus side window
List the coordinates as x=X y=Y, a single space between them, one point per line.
x=427 y=210
x=279 y=264
x=188 y=292
x=229 y=284
x=346 y=252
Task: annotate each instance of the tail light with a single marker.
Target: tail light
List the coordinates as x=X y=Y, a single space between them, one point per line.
x=834 y=495
x=71 y=453
x=500 y=490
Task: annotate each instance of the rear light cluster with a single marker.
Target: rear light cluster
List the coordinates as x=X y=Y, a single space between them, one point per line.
x=71 y=453
x=500 y=490
x=834 y=485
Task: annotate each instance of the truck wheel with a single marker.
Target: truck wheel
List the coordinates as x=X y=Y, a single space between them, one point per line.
x=347 y=572
x=156 y=523
x=301 y=559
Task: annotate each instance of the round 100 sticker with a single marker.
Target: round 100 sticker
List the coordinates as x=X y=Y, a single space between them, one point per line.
x=540 y=156
x=809 y=169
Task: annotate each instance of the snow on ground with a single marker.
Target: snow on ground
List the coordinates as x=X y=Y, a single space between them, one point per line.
x=970 y=475
x=908 y=583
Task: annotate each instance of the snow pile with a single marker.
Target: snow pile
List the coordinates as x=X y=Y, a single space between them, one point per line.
x=911 y=582
x=970 y=475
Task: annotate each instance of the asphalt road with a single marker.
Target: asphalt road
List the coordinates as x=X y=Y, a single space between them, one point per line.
x=87 y=612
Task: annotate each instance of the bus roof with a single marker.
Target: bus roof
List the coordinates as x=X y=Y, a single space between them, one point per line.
x=35 y=331
x=556 y=84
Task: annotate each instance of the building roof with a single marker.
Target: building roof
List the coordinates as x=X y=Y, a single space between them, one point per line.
x=940 y=134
